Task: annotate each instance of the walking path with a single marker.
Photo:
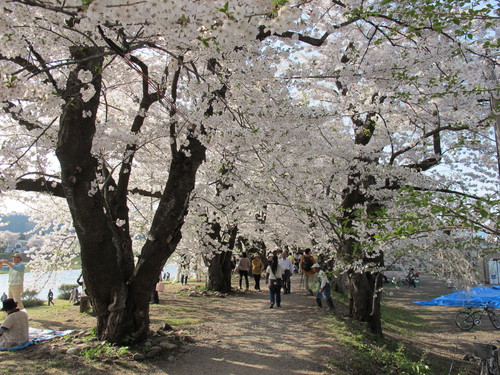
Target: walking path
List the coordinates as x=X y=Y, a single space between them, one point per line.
x=248 y=337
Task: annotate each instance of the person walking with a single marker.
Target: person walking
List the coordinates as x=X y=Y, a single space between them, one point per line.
x=257 y=267
x=274 y=275
x=50 y=297
x=243 y=268
x=16 y=278
x=286 y=264
x=306 y=267
x=324 y=289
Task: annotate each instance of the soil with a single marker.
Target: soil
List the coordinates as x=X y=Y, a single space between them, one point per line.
x=240 y=334
x=245 y=336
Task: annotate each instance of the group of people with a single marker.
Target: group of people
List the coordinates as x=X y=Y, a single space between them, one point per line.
x=278 y=272
x=14 y=330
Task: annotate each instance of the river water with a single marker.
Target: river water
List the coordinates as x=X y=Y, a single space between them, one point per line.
x=53 y=280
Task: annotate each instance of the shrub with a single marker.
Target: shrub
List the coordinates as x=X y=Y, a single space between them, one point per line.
x=65 y=290
x=30 y=298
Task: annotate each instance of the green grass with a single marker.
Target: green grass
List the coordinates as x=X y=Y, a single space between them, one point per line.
x=103 y=351
x=370 y=354
x=373 y=355
x=183 y=321
x=402 y=322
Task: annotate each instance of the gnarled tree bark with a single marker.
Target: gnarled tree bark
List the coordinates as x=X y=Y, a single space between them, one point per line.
x=119 y=290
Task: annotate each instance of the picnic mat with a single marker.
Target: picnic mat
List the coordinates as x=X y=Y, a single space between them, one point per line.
x=475 y=297
x=36 y=335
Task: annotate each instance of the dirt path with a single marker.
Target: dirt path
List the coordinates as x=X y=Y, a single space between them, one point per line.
x=247 y=337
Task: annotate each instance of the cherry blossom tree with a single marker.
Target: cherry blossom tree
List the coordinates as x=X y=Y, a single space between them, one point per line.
x=334 y=117
x=401 y=90
x=397 y=141
x=108 y=92
x=8 y=239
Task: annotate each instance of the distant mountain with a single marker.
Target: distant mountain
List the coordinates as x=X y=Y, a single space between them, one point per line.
x=17 y=223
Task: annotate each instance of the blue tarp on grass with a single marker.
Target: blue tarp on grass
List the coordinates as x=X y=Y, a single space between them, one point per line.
x=36 y=335
x=475 y=297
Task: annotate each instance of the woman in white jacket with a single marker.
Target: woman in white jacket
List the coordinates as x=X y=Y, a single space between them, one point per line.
x=274 y=274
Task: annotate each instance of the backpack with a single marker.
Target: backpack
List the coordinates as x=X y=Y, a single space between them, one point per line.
x=307 y=264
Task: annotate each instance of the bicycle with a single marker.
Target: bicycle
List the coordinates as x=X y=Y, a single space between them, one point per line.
x=489 y=358
x=465 y=320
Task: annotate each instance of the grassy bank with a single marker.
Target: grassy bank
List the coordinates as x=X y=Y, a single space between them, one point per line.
x=54 y=357
x=396 y=353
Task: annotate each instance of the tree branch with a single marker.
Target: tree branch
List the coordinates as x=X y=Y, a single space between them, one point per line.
x=263 y=34
x=41 y=185
x=16 y=116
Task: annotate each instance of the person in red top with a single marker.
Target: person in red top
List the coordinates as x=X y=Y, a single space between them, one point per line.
x=306 y=267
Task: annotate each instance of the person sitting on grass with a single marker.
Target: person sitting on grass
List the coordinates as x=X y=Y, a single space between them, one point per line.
x=14 y=330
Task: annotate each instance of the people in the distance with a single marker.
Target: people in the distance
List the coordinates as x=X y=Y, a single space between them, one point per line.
x=155 y=298
x=184 y=277
x=14 y=330
x=4 y=297
x=306 y=263
x=73 y=296
x=412 y=275
x=16 y=278
x=50 y=297
x=81 y=281
x=274 y=275
x=286 y=264
x=324 y=289
x=243 y=267
x=257 y=267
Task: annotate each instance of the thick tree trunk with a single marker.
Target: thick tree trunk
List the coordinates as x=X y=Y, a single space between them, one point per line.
x=219 y=265
x=364 y=300
x=163 y=238
x=364 y=288
x=219 y=272
x=119 y=291
x=104 y=277
x=341 y=283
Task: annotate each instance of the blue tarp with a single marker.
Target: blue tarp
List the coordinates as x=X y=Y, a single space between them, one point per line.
x=475 y=297
x=36 y=335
